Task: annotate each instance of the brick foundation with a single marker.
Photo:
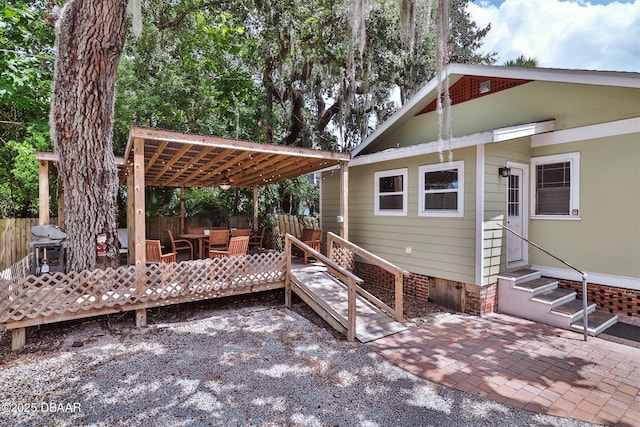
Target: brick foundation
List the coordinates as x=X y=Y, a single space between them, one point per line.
x=481 y=300
x=619 y=301
x=476 y=300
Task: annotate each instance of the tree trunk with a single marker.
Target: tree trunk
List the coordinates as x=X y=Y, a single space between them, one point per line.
x=90 y=38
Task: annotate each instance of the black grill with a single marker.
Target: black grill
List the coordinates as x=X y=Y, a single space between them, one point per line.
x=49 y=244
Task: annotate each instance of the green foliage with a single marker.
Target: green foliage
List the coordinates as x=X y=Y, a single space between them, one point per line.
x=26 y=61
x=265 y=71
x=20 y=188
x=185 y=73
x=522 y=61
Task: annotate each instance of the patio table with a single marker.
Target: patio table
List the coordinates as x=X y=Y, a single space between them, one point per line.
x=199 y=237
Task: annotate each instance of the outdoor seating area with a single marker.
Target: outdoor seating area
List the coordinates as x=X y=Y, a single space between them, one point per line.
x=197 y=243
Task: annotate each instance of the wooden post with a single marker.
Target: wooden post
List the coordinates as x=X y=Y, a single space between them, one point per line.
x=399 y=283
x=351 y=310
x=182 y=229
x=138 y=202
x=131 y=213
x=43 y=195
x=344 y=199
x=287 y=277
x=139 y=225
x=330 y=248
x=18 y=338
x=141 y=317
x=255 y=209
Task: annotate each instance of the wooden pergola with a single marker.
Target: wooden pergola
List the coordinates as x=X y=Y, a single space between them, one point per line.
x=173 y=159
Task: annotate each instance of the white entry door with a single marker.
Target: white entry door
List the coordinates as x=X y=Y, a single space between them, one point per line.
x=517 y=214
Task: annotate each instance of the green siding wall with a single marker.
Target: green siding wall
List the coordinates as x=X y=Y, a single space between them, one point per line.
x=441 y=247
x=330 y=201
x=607 y=237
x=497 y=155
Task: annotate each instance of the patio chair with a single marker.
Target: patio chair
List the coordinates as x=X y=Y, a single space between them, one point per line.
x=196 y=230
x=180 y=245
x=154 y=253
x=218 y=240
x=255 y=240
x=312 y=237
x=237 y=246
x=240 y=232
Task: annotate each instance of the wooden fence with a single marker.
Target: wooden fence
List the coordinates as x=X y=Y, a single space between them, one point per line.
x=15 y=233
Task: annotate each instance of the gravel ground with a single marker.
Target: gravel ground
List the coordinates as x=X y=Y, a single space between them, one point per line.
x=232 y=363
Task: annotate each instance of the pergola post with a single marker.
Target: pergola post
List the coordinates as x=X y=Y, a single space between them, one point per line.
x=182 y=229
x=255 y=209
x=131 y=237
x=43 y=193
x=344 y=199
x=139 y=224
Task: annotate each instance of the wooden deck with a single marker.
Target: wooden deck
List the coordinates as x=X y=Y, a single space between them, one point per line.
x=27 y=300
x=328 y=297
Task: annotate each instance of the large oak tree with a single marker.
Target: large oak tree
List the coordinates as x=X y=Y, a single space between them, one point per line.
x=90 y=38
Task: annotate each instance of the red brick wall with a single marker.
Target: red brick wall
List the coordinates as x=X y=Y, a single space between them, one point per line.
x=616 y=300
x=477 y=300
x=481 y=300
x=381 y=283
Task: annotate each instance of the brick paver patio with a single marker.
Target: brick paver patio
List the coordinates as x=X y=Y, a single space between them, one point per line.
x=524 y=364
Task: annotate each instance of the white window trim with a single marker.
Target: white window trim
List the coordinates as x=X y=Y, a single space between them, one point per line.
x=574 y=195
x=405 y=183
x=458 y=213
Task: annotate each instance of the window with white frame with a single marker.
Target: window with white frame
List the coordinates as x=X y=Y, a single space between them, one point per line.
x=391 y=192
x=556 y=186
x=442 y=190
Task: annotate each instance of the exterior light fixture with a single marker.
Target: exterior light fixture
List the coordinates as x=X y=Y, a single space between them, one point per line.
x=225 y=184
x=504 y=172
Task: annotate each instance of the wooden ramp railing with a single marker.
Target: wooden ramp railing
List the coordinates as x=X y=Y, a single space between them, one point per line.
x=335 y=293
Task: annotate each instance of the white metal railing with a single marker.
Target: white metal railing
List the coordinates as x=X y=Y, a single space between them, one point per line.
x=585 y=317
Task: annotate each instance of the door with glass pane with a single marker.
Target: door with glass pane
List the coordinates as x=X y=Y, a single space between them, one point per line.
x=517 y=215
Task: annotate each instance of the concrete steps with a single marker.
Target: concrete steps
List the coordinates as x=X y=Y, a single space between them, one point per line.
x=526 y=294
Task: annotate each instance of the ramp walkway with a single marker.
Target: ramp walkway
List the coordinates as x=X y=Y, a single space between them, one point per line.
x=319 y=289
x=335 y=294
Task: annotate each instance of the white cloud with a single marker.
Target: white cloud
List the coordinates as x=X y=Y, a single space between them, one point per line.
x=563 y=34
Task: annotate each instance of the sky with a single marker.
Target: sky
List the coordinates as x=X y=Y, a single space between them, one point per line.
x=578 y=34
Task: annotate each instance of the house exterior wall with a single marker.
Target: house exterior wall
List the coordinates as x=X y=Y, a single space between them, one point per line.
x=446 y=248
x=440 y=247
x=497 y=155
x=606 y=238
x=570 y=105
x=330 y=201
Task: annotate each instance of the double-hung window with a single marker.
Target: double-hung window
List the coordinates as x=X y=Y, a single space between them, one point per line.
x=556 y=186
x=391 y=192
x=442 y=190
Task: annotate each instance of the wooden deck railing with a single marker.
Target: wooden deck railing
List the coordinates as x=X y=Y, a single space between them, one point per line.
x=350 y=280
x=343 y=252
x=33 y=300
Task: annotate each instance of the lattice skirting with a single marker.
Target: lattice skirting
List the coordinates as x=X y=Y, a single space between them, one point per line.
x=56 y=297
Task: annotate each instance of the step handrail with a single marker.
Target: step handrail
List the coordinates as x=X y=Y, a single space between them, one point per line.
x=397 y=272
x=585 y=317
